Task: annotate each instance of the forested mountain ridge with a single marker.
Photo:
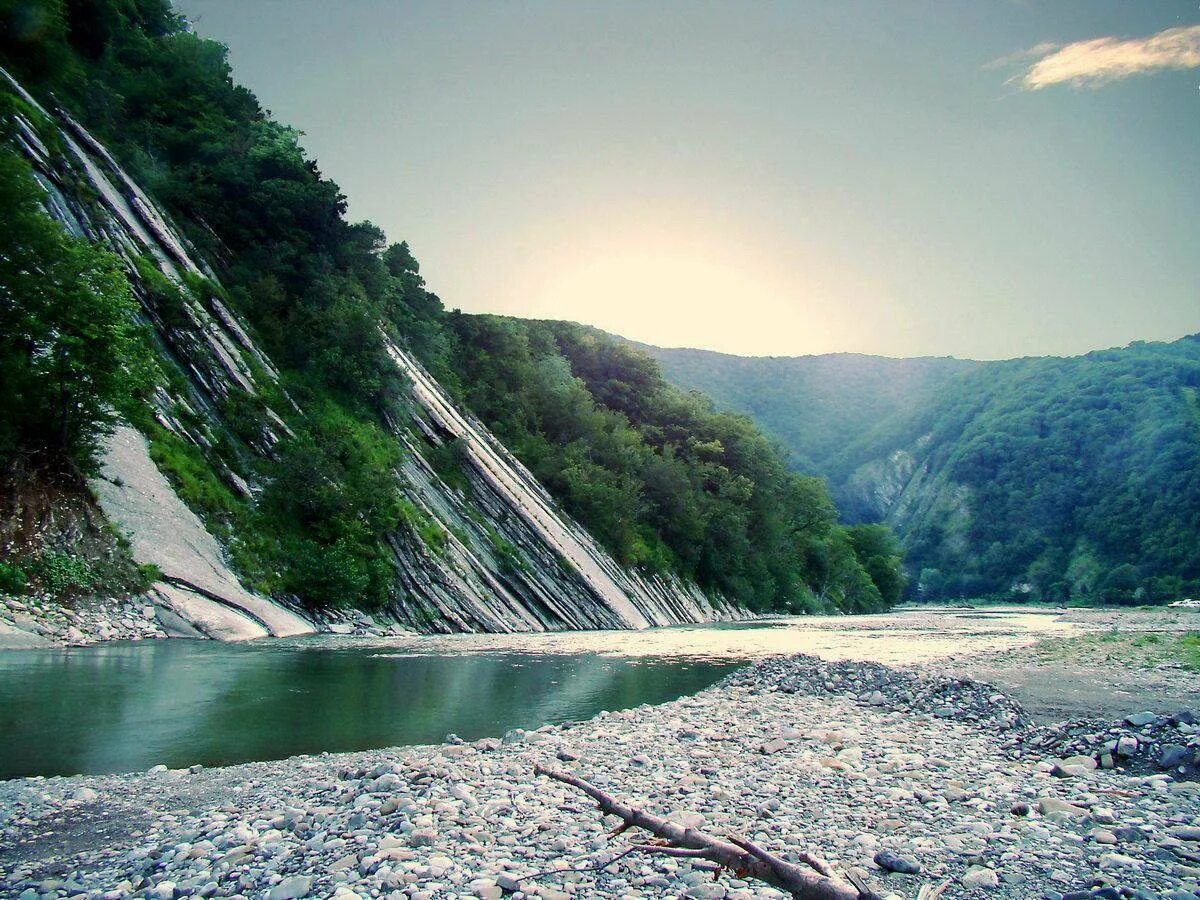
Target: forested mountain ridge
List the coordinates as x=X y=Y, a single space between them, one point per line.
x=816 y=406
x=1056 y=478
x=267 y=355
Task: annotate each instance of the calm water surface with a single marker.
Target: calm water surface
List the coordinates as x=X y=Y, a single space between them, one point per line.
x=127 y=706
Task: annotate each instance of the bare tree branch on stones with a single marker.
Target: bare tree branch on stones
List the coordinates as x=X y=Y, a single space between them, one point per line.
x=813 y=880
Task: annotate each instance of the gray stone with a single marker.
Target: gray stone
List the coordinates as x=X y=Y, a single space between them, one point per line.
x=1052 y=807
x=291 y=888
x=422 y=838
x=12 y=638
x=980 y=877
x=1128 y=834
x=773 y=746
x=891 y=861
x=1140 y=719
x=1173 y=755
x=1069 y=771
x=508 y=882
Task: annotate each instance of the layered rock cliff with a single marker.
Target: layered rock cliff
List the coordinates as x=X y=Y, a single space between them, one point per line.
x=507 y=558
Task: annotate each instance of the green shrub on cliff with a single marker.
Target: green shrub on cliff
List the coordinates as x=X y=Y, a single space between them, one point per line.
x=69 y=349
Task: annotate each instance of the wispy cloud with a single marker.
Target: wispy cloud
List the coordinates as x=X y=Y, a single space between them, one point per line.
x=1094 y=62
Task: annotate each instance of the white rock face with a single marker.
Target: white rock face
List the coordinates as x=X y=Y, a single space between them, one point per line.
x=587 y=588
x=163 y=531
x=13 y=638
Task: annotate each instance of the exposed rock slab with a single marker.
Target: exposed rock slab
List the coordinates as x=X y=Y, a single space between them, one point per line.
x=163 y=531
x=211 y=619
x=13 y=638
x=565 y=579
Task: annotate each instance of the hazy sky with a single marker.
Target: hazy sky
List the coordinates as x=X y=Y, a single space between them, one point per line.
x=982 y=179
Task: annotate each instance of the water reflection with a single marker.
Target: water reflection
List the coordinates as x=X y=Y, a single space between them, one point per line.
x=124 y=707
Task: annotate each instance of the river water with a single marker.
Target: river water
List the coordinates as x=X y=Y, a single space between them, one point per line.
x=127 y=706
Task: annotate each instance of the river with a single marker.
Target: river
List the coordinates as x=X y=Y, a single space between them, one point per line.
x=126 y=706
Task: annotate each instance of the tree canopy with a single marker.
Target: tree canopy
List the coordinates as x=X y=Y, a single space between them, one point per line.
x=1056 y=479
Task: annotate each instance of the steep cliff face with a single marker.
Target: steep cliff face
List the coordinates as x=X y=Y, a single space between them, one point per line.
x=495 y=554
x=510 y=551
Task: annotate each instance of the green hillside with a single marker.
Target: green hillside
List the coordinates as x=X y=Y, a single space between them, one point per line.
x=661 y=478
x=1061 y=479
x=816 y=406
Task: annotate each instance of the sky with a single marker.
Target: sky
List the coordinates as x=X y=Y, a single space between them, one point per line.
x=984 y=179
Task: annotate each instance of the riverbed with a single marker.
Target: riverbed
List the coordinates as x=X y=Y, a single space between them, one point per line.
x=129 y=705
x=884 y=770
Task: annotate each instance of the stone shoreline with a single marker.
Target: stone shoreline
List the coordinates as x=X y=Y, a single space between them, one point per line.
x=33 y=622
x=39 y=622
x=854 y=762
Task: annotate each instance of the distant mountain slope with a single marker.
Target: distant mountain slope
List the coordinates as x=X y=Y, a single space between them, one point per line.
x=815 y=405
x=1058 y=478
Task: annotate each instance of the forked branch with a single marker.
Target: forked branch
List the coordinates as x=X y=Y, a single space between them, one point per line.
x=814 y=880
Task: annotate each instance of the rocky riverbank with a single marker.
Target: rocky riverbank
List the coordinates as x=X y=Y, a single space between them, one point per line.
x=863 y=765
x=33 y=622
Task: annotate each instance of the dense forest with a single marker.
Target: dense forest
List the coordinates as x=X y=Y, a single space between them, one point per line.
x=662 y=479
x=1073 y=479
x=822 y=409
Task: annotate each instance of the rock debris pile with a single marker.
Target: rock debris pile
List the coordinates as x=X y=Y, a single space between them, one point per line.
x=87 y=622
x=1143 y=743
x=959 y=699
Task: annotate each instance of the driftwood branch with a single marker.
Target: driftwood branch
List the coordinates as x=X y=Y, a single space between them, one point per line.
x=590 y=867
x=815 y=880
x=929 y=892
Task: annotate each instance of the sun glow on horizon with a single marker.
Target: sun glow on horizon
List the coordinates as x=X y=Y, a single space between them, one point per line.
x=663 y=280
